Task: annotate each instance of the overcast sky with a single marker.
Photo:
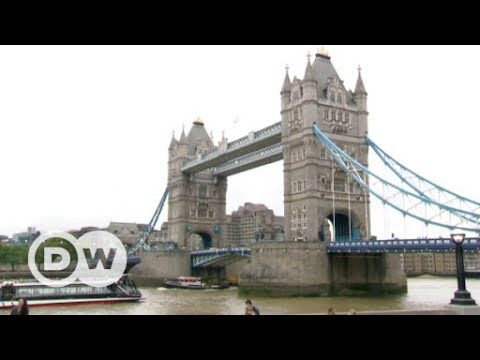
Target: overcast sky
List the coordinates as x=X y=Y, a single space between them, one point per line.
x=84 y=130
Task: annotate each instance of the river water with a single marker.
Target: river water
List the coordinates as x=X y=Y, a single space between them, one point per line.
x=426 y=292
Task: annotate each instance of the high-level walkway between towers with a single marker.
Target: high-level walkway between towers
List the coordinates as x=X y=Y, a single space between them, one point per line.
x=257 y=148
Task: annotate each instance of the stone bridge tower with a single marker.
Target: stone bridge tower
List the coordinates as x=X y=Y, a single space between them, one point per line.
x=197 y=203
x=318 y=196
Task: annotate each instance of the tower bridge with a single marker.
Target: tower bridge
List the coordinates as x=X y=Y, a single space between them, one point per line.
x=198 y=169
x=328 y=188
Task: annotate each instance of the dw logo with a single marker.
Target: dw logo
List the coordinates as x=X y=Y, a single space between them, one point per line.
x=101 y=259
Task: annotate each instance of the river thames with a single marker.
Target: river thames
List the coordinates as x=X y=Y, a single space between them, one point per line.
x=424 y=293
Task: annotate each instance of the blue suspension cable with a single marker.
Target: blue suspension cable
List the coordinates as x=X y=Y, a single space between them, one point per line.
x=338 y=155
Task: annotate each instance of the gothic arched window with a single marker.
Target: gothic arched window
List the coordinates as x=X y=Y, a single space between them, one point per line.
x=332 y=97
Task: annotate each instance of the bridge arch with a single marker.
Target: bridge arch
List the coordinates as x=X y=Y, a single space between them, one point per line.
x=347 y=226
x=200 y=240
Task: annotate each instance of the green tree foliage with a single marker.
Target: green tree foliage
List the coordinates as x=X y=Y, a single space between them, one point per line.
x=13 y=255
x=18 y=255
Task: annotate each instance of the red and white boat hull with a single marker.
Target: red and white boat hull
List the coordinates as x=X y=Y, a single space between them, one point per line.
x=65 y=302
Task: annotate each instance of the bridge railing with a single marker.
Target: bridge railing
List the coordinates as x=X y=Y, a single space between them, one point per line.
x=258 y=135
x=414 y=245
x=202 y=257
x=254 y=137
x=220 y=251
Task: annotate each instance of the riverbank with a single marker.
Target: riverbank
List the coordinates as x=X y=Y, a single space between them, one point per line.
x=469 y=310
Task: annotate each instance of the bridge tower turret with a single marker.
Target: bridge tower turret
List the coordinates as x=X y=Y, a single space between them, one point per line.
x=318 y=196
x=197 y=202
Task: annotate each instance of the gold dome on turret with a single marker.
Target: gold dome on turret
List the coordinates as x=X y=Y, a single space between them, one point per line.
x=322 y=52
x=198 y=121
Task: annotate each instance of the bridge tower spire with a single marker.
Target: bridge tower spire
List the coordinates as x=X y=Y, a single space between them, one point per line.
x=360 y=97
x=286 y=89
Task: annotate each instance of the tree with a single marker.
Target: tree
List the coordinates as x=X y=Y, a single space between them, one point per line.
x=13 y=255
x=3 y=254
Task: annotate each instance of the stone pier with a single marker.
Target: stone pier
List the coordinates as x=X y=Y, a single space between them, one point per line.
x=305 y=269
x=158 y=266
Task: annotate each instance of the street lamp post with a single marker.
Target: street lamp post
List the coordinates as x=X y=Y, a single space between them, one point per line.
x=462 y=296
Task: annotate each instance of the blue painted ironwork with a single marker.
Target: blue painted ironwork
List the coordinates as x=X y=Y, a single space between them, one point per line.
x=206 y=257
x=142 y=240
x=352 y=167
x=201 y=258
x=398 y=169
x=388 y=160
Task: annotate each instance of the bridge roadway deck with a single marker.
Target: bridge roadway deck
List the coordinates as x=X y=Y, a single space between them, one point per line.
x=256 y=141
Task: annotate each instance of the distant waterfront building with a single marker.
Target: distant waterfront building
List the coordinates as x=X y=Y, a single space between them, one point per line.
x=4 y=239
x=253 y=223
x=129 y=233
x=84 y=230
x=25 y=238
x=438 y=263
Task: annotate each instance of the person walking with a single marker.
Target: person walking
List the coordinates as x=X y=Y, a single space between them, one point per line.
x=21 y=308
x=250 y=309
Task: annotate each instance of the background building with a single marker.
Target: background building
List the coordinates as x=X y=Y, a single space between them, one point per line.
x=253 y=223
x=84 y=230
x=25 y=238
x=129 y=233
x=4 y=239
x=438 y=263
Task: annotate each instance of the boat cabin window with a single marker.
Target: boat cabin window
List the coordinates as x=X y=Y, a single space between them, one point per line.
x=189 y=279
x=7 y=293
x=72 y=290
